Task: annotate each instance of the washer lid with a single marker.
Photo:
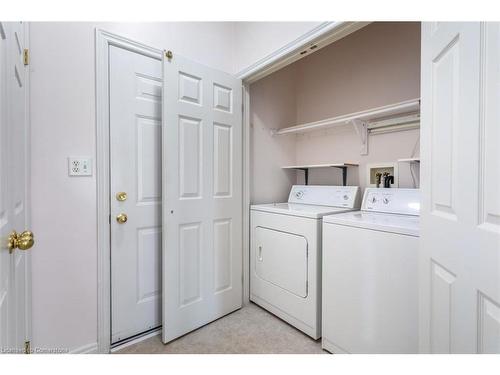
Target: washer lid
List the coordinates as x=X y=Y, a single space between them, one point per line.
x=297 y=209
x=393 y=223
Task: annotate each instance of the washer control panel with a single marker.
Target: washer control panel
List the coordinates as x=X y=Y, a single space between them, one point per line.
x=337 y=196
x=398 y=201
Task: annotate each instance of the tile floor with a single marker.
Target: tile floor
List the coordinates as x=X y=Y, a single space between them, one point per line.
x=250 y=330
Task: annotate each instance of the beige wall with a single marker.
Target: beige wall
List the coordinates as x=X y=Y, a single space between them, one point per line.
x=375 y=66
x=272 y=103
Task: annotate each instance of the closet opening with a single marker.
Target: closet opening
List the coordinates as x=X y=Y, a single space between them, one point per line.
x=339 y=114
x=322 y=130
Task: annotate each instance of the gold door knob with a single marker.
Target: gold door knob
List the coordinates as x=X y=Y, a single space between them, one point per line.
x=121 y=218
x=21 y=241
x=121 y=196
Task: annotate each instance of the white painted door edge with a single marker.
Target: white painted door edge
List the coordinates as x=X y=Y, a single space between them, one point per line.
x=103 y=40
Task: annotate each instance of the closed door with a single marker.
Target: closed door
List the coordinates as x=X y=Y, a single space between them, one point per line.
x=15 y=276
x=202 y=153
x=135 y=153
x=460 y=216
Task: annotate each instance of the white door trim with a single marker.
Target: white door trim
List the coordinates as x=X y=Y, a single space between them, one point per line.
x=104 y=40
x=322 y=35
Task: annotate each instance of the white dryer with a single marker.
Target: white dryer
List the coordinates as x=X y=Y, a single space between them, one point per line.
x=370 y=300
x=285 y=261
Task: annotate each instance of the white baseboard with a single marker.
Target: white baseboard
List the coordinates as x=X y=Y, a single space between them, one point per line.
x=86 y=349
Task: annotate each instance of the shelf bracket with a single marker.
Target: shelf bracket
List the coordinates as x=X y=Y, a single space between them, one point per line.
x=344 y=175
x=361 y=128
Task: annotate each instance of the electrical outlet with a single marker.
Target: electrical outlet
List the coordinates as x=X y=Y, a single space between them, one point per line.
x=79 y=166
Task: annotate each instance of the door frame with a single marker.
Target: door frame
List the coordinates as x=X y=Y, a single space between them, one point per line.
x=104 y=40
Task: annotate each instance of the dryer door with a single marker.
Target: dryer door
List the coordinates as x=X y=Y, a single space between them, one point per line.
x=281 y=259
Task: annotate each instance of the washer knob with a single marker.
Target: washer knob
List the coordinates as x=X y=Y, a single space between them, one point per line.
x=386 y=200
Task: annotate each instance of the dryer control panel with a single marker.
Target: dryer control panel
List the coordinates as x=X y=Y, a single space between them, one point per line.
x=337 y=196
x=396 y=201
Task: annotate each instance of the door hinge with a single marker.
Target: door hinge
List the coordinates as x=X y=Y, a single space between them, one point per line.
x=27 y=347
x=26 y=56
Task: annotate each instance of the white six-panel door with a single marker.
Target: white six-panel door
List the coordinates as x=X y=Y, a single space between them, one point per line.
x=460 y=216
x=202 y=187
x=135 y=154
x=14 y=268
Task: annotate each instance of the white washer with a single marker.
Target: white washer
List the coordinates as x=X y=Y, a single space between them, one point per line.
x=285 y=259
x=370 y=301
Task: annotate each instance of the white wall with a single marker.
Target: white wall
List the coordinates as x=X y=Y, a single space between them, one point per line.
x=256 y=40
x=62 y=124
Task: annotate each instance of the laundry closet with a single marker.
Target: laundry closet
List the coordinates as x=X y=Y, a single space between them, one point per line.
x=373 y=71
x=340 y=121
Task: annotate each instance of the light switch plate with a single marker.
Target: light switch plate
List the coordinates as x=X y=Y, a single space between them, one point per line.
x=79 y=166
